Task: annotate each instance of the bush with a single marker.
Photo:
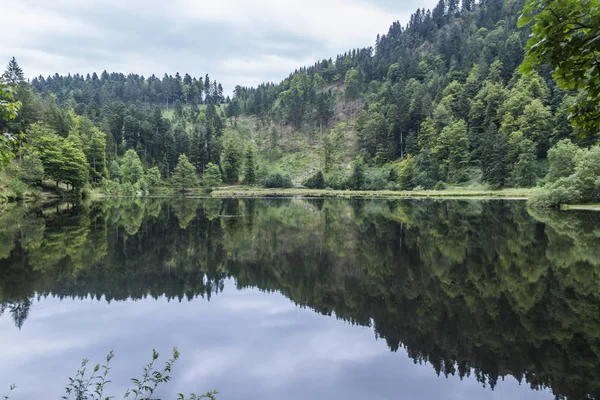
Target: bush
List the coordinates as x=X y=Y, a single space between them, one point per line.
x=422 y=180
x=376 y=179
x=317 y=181
x=582 y=185
x=17 y=188
x=336 y=181
x=563 y=191
x=109 y=186
x=440 y=186
x=278 y=181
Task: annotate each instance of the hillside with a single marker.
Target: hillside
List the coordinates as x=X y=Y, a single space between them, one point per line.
x=438 y=102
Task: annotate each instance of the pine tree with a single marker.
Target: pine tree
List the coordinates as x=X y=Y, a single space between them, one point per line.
x=493 y=157
x=357 y=179
x=14 y=74
x=231 y=162
x=250 y=166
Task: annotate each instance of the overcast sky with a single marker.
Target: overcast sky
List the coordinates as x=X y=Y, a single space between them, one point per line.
x=241 y=42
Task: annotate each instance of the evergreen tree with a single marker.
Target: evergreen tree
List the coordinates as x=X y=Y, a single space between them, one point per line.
x=212 y=177
x=231 y=162
x=493 y=157
x=13 y=73
x=184 y=175
x=249 y=166
x=356 y=181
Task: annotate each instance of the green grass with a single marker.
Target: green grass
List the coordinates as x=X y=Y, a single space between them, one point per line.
x=588 y=207
x=246 y=191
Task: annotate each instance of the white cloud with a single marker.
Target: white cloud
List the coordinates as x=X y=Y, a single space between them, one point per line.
x=235 y=41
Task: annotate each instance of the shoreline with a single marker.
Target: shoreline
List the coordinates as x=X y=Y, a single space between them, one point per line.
x=580 y=207
x=508 y=194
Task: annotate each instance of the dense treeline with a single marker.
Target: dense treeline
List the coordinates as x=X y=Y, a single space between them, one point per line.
x=440 y=100
x=481 y=288
x=79 y=131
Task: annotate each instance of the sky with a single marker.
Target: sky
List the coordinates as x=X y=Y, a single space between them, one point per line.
x=237 y=42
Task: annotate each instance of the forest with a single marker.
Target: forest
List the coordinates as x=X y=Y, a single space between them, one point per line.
x=465 y=95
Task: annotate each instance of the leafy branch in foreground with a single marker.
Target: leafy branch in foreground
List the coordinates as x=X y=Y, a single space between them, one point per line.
x=82 y=387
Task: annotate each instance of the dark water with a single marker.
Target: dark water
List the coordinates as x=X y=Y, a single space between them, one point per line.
x=303 y=299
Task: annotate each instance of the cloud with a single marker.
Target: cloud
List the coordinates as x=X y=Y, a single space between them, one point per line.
x=235 y=41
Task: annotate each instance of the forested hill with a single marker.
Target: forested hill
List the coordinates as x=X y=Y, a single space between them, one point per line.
x=438 y=102
x=443 y=92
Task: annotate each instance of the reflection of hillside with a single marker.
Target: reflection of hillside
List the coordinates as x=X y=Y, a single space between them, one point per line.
x=469 y=287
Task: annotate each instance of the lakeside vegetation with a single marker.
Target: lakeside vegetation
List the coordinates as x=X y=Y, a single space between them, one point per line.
x=449 y=193
x=94 y=385
x=463 y=95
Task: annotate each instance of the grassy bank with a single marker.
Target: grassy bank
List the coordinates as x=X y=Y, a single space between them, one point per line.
x=242 y=191
x=584 y=207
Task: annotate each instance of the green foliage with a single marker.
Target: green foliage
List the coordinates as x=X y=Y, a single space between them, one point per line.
x=31 y=168
x=250 y=165
x=184 y=176
x=9 y=109
x=115 y=171
x=316 y=181
x=63 y=158
x=440 y=186
x=562 y=159
x=336 y=181
x=352 y=83
x=153 y=178
x=93 y=385
x=406 y=173
x=565 y=33
x=493 y=156
x=231 y=162
x=132 y=170
x=330 y=149
x=573 y=177
x=356 y=181
x=451 y=150
x=212 y=177
x=278 y=180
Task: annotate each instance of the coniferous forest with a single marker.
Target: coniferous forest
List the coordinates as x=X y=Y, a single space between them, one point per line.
x=466 y=95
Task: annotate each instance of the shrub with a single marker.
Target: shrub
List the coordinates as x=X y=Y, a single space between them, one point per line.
x=376 y=179
x=109 y=186
x=17 y=187
x=422 y=180
x=278 y=180
x=317 y=181
x=93 y=385
x=582 y=185
x=336 y=181
x=440 y=186
x=563 y=191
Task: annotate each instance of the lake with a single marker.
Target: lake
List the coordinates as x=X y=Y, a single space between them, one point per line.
x=304 y=298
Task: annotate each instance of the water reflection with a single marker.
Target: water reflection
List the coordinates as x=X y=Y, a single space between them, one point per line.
x=487 y=289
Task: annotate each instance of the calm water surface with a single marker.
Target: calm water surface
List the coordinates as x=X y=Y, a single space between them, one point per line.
x=297 y=298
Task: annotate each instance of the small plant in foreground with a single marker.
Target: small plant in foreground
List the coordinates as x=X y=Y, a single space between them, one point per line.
x=10 y=389
x=82 y=387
